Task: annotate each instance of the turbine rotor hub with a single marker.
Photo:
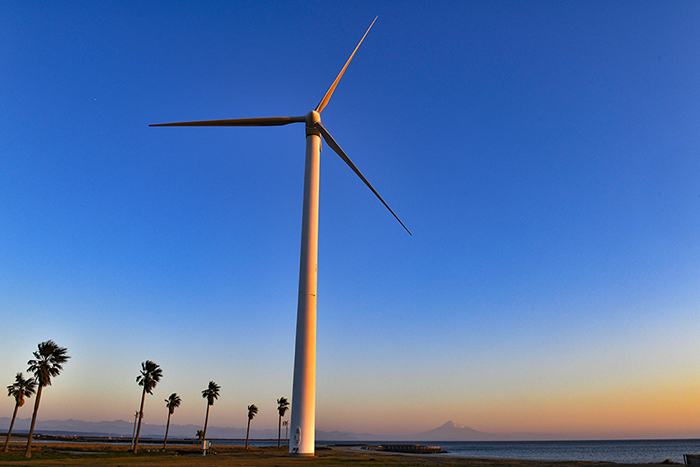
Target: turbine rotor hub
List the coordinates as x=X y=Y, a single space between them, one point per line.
x=311 y=119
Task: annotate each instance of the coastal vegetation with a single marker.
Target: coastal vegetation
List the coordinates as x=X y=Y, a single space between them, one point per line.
x=172 y=403
x=252 y=410
x=151 y=374
x=211 y=393
x=22 y=388
x=282 y=407
x=47 y=363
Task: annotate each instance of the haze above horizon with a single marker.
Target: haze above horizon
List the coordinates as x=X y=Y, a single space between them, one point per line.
x=545 y=157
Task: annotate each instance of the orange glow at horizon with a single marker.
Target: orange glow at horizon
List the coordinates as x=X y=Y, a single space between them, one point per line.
x=663 y=408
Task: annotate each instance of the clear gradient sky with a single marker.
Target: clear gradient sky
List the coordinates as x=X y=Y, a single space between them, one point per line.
x=545 y=155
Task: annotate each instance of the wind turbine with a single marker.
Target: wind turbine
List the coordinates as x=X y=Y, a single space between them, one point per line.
x=304 y=386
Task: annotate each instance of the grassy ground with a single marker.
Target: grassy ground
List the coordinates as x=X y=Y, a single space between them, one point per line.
x=81 y=454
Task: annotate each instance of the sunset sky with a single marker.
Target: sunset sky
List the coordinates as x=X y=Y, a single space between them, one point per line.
x=545 y=156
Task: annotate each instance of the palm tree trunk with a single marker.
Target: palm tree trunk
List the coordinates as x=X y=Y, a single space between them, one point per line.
x=138 y=430
x=279 y=431
x=206 y=420
x=167 y=427
x=247 y=433
x=9 y=432
x=31 y=428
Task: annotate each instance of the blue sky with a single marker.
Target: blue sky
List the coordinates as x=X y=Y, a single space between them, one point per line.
x=544 y=155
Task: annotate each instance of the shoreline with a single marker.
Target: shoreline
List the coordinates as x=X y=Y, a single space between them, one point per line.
x=503 y=461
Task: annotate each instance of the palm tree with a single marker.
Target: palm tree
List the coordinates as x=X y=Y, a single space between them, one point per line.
x=252 y=410
x=282 y=407
x=211 y=393
x=172 y=403
x=20 y=389
x=47 y=363
x=149 y=378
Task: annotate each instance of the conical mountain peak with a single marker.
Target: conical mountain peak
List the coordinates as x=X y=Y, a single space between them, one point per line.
x=452 y=431
x=453 y=424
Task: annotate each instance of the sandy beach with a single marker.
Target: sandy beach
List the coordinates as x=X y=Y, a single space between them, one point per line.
x=83 y=454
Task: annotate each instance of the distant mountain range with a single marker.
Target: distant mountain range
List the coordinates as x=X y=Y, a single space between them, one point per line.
x=123 y=428
x=450 y=431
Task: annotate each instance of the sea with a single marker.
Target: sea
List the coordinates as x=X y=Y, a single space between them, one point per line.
x=624 y=451
x=618 y=451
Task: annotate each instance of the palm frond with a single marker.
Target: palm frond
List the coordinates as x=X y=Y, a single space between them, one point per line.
x=150 y=376
x=22 y=388
x=211 y=393
x=282 y=406
x=173 y=402
x=252 y=410
x=48 y=362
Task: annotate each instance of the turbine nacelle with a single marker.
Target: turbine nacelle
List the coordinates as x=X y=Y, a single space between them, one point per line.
x=312 y=119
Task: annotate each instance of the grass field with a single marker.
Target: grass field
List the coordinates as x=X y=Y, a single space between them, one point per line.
x=84 y=454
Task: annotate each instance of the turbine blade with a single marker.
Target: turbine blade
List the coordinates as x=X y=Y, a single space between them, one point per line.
x=264 y=121
x=331 y=142
x=328 y=95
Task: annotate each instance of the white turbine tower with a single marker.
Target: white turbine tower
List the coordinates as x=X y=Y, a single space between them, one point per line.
x=304 y=386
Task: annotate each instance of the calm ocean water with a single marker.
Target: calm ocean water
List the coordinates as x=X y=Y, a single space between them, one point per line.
x=624 y=452
x=627 y=451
